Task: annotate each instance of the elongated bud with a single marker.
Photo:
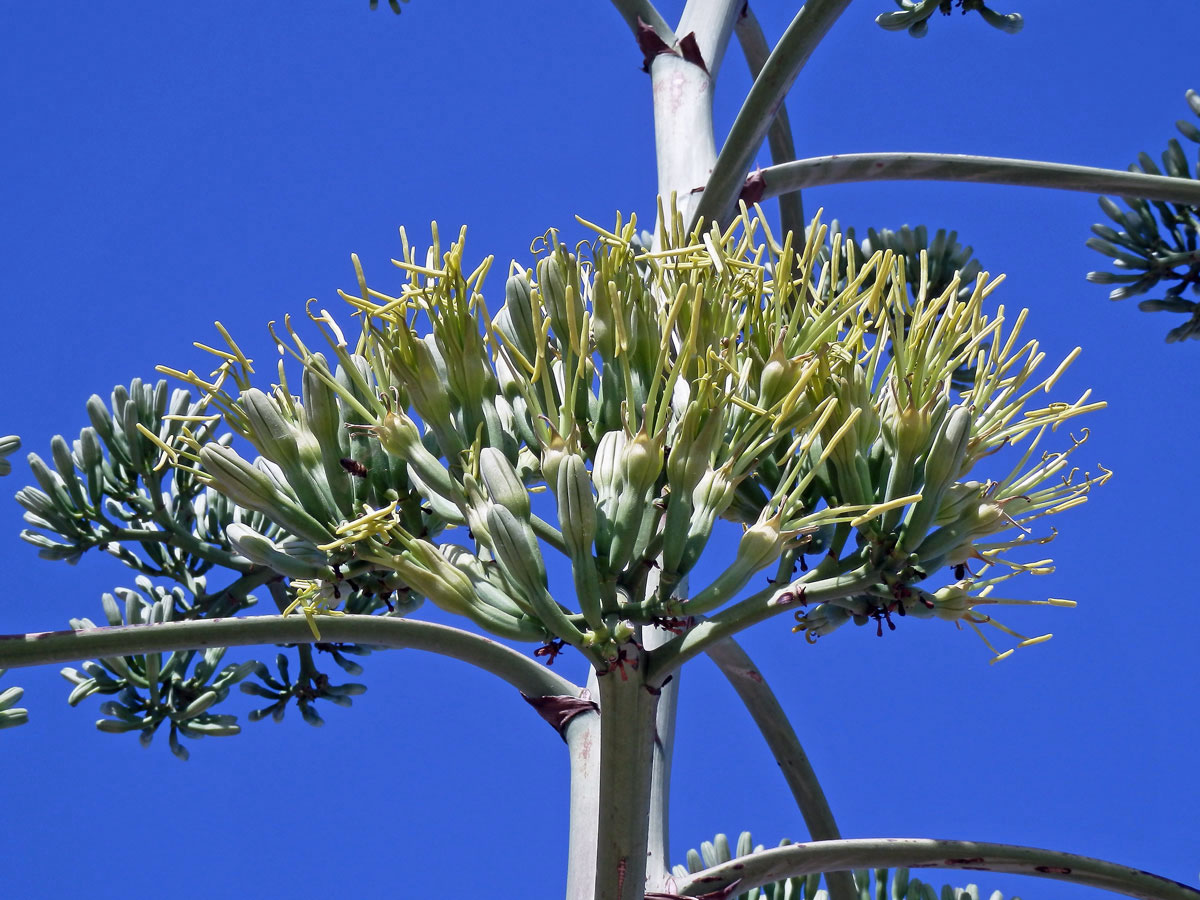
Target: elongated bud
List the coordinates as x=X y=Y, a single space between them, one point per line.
x=263 y=551
x=942 y=466
x=759 y=547
x=399 y=436
x=778 y=376
x=515 y=318
x=642 y=460
x=503 y=483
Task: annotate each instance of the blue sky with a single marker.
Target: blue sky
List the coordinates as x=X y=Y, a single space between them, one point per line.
x=171 y=164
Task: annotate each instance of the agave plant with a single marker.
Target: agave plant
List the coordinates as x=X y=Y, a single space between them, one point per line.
x=875 y=429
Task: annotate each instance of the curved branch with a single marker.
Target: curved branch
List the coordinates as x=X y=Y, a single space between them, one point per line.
x=523 y=673
x=632 y=10
x=768 y=602
x=736 y=665
x=779 y=134
x=803 y=859
x=854 y=167
x=766 y=96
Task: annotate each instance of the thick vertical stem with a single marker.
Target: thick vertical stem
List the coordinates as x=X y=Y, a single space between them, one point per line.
x=658 y=847
x=627 y=737
x=683 y=130
x=582 y=735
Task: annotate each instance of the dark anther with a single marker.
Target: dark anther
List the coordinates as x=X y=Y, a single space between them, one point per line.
x=384 y=597
x=881 y=616
x=550 y=650
x=960 y=571
x=354 y=467
x=799 y=564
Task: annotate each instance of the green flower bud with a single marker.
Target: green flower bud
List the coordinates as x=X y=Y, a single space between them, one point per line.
x=503 y=483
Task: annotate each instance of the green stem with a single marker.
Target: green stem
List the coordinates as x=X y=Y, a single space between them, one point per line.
x=47 y=647
x=825 y=856
x=548 y=533
x=627 y=721
x=658 y=847
x=583 y=743
x=632 y=10
x=779 y=134
x=755 y=608
x=857 y=167
x=760 y=701
x=765 y=98
x=711 y=23
x=177 y=538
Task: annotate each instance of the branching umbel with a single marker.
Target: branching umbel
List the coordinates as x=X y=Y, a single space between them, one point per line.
x=648 y=394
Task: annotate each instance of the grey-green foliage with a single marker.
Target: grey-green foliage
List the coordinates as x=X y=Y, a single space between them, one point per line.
x=153 y=689
x=10 y=714
x=9 y=444
x=1147 y=251
x=945 y=260
x=914 y=15
x=106 y=490
x=871 y=884
x=309 y=685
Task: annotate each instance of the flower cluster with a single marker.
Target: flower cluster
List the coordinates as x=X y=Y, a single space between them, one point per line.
x=649 y=393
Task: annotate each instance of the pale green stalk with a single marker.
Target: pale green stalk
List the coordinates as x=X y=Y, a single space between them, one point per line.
x=760 y=701
x=856 y=167
x=711 y=23
x=667 y=659
x=627 y=723
x=825 y=856
x=43 y=648
x=779 y=134
x=582 y=735
x=632 y=10
x=658 y=848
x=766 y=96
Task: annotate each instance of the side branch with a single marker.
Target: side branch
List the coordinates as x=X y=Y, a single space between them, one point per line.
x=43 y=648
x=766 y=96
x=854 y=167
x=736 y=665
x=825 y=856
x=768 y=602
x=632 y=10
x=779 y=135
